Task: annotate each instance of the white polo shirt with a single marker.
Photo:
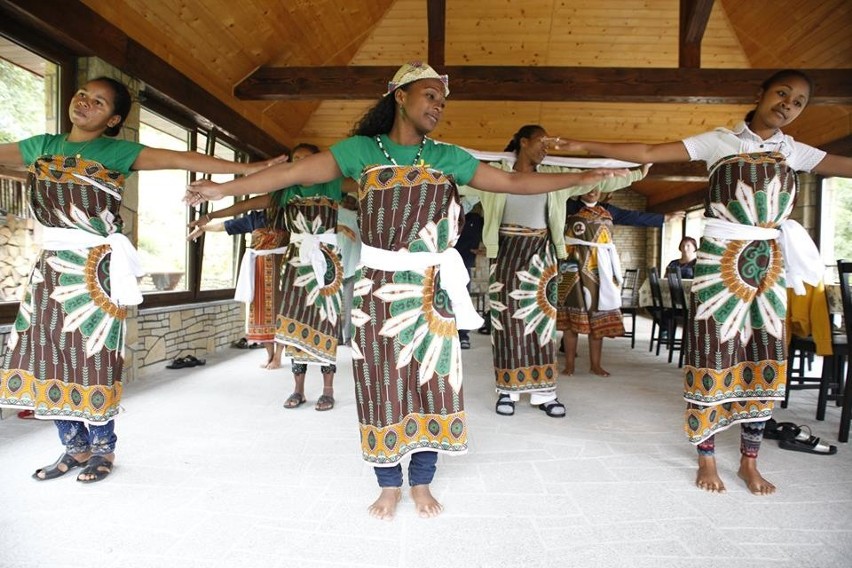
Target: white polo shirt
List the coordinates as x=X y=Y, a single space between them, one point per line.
x=712 y=146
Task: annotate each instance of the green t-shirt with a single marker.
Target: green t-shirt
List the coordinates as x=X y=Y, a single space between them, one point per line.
x=357 y=152
x=117 y=155
x=332 y=189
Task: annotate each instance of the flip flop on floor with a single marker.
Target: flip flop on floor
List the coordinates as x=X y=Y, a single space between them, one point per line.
x=803 y=441
x=779 y=430
x=194 y=361
x=179 y=363
x=26 y=415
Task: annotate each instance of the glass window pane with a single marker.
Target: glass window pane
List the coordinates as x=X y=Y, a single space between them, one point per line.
x=28 y=94
x=220 y=250
x=162 y=215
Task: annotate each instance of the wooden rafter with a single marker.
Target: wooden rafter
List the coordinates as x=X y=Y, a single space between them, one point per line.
x=694 y=15
x=436 y=15
x=506 y=83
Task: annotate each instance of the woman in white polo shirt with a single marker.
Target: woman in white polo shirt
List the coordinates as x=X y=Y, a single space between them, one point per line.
x=749 y=254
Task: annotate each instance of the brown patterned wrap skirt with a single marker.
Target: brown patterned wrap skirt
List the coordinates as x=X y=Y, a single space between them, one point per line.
x=522 y=296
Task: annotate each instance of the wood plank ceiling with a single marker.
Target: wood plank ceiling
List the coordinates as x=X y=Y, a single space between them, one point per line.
x=217 y=44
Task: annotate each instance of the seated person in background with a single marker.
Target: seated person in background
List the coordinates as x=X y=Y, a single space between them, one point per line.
x=688 y=255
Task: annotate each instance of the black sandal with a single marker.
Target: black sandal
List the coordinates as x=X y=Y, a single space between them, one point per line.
x=779 y=430
x=52 y=471
x=505 y=402
x=801 y=440
x=98 y=468
x=295 y=400
x=324 y=402
x=552 y=408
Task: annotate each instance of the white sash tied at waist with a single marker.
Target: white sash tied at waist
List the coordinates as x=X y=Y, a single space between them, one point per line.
x=609 y=272
x=310 y=251
x=124 y=264
x=802 y=260
x=454 y=276
x=244 y=292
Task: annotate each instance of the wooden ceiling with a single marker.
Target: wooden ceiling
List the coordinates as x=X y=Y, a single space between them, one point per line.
x=217 y=44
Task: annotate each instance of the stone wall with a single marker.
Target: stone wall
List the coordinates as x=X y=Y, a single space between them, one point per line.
x=158 y=335
x=19 y=250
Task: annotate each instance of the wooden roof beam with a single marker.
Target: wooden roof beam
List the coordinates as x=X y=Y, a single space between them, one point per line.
x=543 y=84
x=436 y=18
x=694 y=15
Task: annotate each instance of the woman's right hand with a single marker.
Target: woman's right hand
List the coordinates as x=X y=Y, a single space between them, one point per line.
x=202 y=190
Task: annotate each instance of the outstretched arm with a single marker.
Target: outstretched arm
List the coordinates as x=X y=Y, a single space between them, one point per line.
x=488 y=178
x=316 y=168
x=161 y=159
x=256 y=202
x=834 y=165
x=629 y=152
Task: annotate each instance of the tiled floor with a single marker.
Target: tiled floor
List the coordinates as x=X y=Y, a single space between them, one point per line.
x=212 y=472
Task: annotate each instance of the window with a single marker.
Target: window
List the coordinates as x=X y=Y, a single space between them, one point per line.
x=162 y=222
x=162 y=215
x=29 y=89
x=836 y=224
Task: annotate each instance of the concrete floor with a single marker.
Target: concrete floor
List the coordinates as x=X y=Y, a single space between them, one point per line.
x=212 y=472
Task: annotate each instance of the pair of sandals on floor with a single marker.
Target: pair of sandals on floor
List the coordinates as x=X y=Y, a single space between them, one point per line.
x=297 y=399
x=506 y=407
x=796 y=438
x=95 y=469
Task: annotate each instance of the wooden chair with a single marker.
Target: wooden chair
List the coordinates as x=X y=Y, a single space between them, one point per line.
x=679 y=315
x=630 y=302
x=844 y=272
x=659 y=313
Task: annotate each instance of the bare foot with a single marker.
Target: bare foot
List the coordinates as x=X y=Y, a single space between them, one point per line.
x=600 y=371
x=384 y=508
x=568 y=370
x=753 y=480
x=273 y=365
x=426 y=505
x=708 y=478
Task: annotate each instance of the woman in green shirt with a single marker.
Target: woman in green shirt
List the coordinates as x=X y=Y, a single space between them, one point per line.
x=410 y=295
x=66 y=349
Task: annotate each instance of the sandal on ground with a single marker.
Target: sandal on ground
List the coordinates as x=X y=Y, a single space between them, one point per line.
x=554 y=408
x=803 y=441
x=324 y=402
x=26 y=415
x=465 y=343
x=505 y=405
x=52 y=471
x=295 y=400
x=97 y=468
x=779 y=430
x=242 y=343
x=194 y=361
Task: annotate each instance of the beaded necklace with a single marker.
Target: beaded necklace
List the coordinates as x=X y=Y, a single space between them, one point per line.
x=391 y=160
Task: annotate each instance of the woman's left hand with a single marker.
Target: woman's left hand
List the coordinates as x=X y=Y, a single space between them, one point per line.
x=258 y=166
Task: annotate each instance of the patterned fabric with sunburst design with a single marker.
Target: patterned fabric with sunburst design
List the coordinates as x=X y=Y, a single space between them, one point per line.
x=405 y=350
x=309 y=314
x=522 y=296
x=66 y=350
x=735 y=360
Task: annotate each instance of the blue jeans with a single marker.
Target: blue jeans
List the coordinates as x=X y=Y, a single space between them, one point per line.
x=421 y=470
x=99 y=439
